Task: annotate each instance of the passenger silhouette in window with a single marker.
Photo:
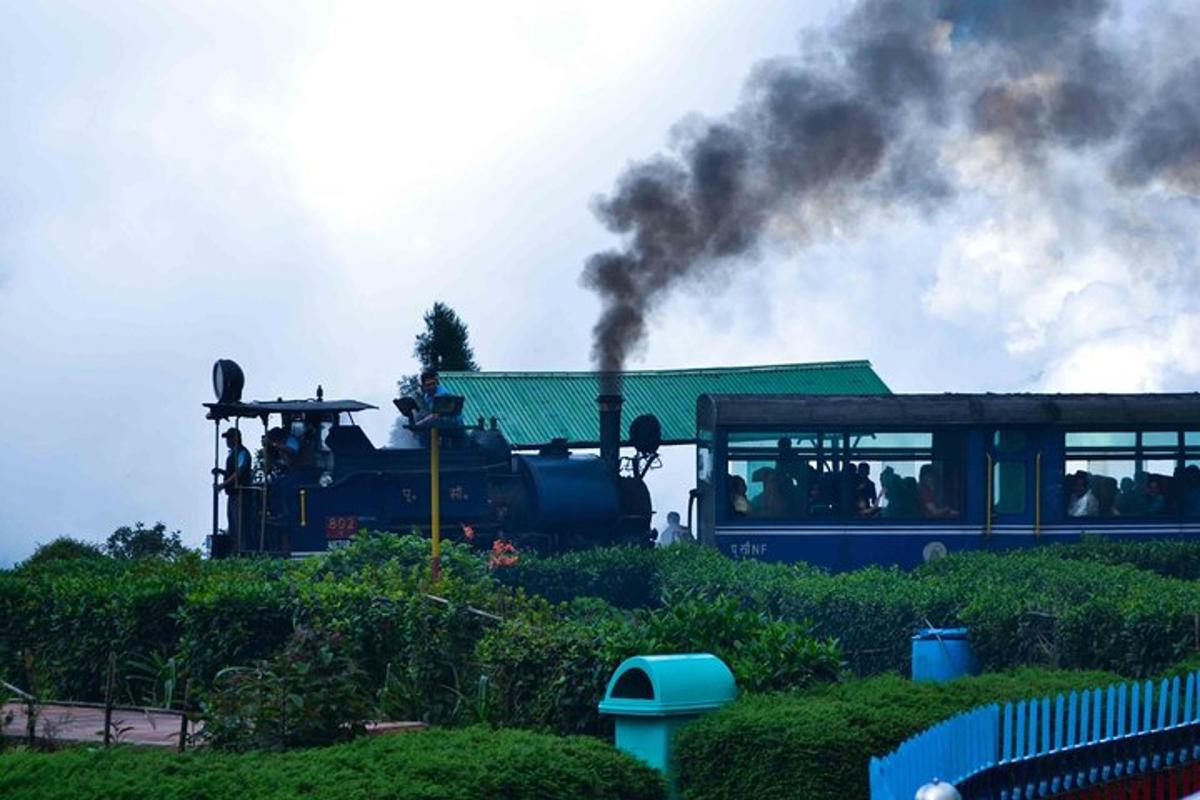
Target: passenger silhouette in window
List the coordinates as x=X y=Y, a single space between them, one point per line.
x=930 y=493
x=866 y=499
x=1082 y=502
x=738 y=504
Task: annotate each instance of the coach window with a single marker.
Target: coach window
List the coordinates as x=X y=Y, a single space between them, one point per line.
x=781 y=475
x=904 y=476
x=1123 y=474
x=1189 y=484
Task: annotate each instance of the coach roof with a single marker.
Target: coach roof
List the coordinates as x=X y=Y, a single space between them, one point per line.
x=841 y=410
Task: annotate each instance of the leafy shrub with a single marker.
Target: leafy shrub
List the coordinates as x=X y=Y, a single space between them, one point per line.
x=1033 y=607
x=817 y=744
x=551 y=672
x=69 y=619
x=309 y=694
x=419 y=650
x=64 y=548
x=626 y=577
x=465 y=764
x=226 y=621
x=1171 y=558
x=127 y=543
x=370 y=549
x=630 y=577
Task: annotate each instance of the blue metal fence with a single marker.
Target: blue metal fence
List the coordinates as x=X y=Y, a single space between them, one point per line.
x=1046 y=747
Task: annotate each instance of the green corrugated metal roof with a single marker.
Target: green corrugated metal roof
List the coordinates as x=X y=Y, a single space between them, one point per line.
x=535 y=407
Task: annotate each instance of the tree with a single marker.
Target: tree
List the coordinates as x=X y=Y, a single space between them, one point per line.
x=444 y=344
x=63 y=548
x=127 y=544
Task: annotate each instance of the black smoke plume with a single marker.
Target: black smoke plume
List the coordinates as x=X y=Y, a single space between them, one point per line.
x=857 y=124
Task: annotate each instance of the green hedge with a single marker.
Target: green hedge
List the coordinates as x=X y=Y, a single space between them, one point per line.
x=465 y=764
x=1171 y=558
x=549 y=671
x=629 y=577
x=544 y=666
x=63 y=619
x=1072 y=606
x=817 y=744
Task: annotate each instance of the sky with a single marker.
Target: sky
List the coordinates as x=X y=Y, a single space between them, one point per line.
x=291 y=184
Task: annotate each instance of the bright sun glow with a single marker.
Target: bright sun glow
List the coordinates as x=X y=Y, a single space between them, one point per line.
x=404 y=101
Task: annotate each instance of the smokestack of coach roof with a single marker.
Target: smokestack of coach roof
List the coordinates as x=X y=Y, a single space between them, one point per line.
x=610 y=430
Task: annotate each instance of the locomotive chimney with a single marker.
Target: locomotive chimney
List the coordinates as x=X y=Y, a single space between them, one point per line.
x=610 y=430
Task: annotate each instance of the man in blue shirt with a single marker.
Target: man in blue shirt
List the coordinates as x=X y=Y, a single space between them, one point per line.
x=431 y=388
x=237 y=476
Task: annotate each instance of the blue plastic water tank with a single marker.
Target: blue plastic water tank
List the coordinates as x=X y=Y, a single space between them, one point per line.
x=942 y=654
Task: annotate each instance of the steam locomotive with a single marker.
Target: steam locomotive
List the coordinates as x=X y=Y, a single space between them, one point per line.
x=335 y=482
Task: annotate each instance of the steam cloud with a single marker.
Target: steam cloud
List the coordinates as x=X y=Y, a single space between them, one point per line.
x=865 y=122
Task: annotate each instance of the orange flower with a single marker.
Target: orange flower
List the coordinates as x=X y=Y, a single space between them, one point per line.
x=503 y=555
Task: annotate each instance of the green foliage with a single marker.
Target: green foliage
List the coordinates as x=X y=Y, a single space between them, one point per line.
x=1171 y=558
x=1072 y=606
x=466 y=764
x=817 y=744
x=626 y=577
x=69 y=616
x=374 y=549
x=432 y=652
x=309 y=694
x=444 y=344
x=64 y=548
x=128 y=543
x=551 y=672
x=1034 y=607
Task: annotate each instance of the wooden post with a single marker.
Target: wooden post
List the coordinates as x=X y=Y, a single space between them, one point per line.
x=183 y=718
x=435 y=501
x=108 y=697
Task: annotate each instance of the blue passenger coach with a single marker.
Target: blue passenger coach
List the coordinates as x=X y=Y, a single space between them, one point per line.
x=842 y=481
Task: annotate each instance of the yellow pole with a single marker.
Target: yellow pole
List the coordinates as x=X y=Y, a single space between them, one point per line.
x=435 y=502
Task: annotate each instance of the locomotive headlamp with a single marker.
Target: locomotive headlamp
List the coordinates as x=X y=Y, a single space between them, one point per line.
x=645 y=434
x=227 y=381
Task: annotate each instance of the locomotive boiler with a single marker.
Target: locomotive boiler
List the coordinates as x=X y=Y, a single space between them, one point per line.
x=330 y=481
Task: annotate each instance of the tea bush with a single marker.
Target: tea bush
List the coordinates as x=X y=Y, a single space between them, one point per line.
x=1034 y=607
x=626 y=577
x=551 y=672
x=546 y=665
x=309 y=694
x=1171 y=558
x=1067 y=605
x=463 y=764
x=817 y=744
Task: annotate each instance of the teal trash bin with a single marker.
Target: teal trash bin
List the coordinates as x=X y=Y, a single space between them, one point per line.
x=651 y=696
x=942 y=654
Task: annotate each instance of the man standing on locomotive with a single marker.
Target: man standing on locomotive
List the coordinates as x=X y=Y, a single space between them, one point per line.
x=431 y=387
x=237 y=474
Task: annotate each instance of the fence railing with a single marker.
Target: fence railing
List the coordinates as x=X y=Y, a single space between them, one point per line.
x=1051 y=747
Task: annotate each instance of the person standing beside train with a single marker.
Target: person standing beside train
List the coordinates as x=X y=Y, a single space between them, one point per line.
x=237 y=476
x=674 y=533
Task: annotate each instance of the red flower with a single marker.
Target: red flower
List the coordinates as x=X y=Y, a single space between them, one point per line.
x=503 y=555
